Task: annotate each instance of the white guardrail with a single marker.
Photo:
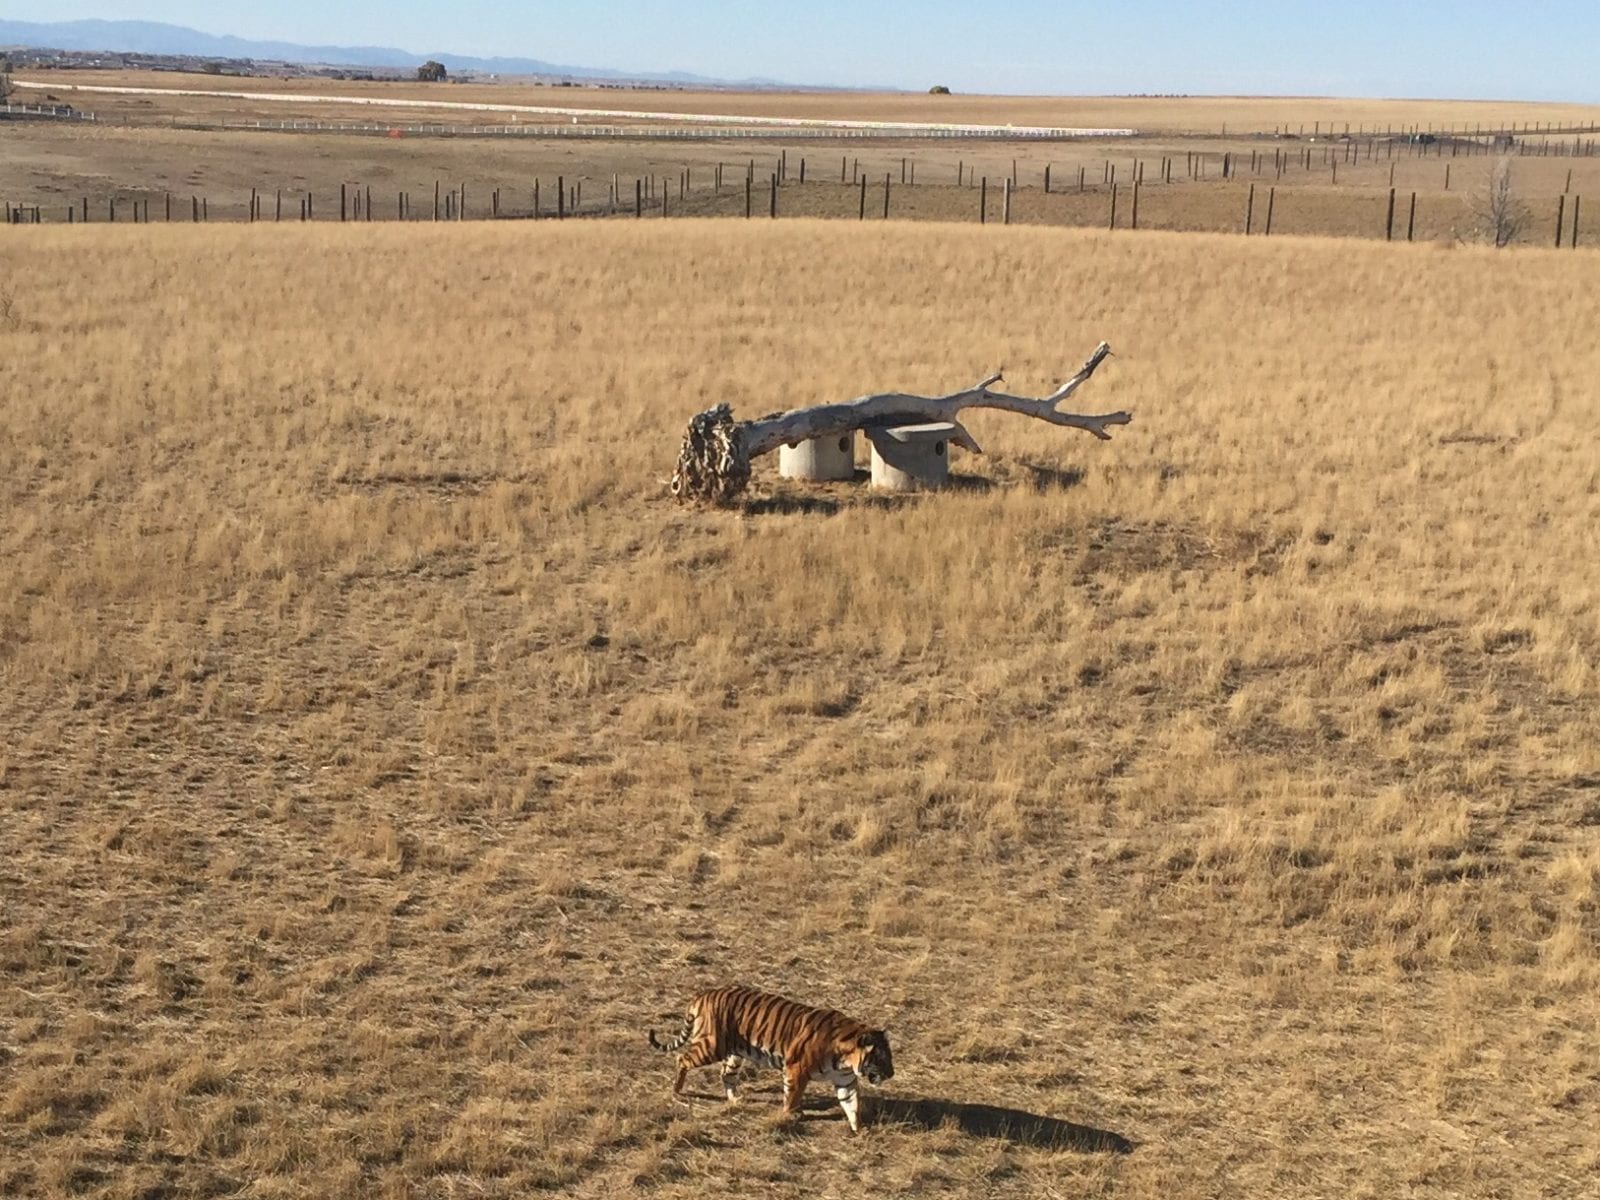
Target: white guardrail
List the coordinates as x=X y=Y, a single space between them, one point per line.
x=60 y=111
x=720 y=123
x=697 y=133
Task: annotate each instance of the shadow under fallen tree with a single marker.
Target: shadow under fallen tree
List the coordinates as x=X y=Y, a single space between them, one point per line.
x=992 y=1121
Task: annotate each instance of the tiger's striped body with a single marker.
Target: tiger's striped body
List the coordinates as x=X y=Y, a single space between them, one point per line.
x=732 y=1025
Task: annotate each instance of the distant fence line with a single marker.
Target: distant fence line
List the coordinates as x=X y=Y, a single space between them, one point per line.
x=796 y=131
x=1527 y=140
x=1330 y=147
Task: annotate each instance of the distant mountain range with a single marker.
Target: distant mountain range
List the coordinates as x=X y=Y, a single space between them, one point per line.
x=153 y=37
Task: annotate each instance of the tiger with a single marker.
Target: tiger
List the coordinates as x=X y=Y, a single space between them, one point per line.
x=731 y=1024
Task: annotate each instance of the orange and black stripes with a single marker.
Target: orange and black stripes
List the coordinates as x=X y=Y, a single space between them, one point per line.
x=732 y=1024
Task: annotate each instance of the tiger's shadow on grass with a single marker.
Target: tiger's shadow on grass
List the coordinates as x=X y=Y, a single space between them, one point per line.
x=975 y=1120
x=1002 y=1124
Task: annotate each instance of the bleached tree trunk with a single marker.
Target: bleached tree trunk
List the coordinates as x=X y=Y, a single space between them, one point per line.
x=714 y=463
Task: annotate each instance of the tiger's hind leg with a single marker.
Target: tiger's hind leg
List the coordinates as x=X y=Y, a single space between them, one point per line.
x=696 y=1054
x=730 y=1077
x=795 y=1077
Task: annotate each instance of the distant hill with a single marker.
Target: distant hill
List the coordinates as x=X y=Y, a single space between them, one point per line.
x=153 y=37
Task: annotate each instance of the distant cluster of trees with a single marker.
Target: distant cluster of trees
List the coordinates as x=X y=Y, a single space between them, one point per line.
x=5 y=78
x=431 y=72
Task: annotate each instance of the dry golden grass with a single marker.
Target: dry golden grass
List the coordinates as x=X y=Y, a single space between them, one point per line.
x=381 y=752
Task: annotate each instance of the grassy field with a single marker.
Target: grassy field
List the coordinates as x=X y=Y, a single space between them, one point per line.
x=157 y=161
x=382 y=752
x=56 y=166
x=1161 y=114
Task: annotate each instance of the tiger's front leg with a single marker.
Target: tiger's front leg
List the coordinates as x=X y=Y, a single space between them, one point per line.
x=850 y=1101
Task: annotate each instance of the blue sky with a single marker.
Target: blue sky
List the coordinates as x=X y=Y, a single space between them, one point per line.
x=1469 y=49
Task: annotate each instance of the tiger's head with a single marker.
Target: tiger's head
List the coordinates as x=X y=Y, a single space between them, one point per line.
x=870 y=1059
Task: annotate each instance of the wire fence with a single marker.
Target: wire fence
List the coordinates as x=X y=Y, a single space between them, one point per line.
x=1191 y=202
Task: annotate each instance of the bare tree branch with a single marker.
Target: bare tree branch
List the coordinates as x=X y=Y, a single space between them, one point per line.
x=715 y=460
x=898 y=408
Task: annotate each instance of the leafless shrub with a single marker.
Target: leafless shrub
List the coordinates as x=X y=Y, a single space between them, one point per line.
x=1501 y=215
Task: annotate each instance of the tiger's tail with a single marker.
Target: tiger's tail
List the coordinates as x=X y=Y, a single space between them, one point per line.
x=677 y=1043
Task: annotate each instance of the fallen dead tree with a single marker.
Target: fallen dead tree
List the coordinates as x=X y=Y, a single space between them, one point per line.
x=714 y=462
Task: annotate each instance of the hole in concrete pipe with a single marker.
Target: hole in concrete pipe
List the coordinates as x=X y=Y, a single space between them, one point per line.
x=938 y=448
x=844 y=442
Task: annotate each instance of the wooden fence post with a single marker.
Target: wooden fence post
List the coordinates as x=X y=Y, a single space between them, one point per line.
x=1005 y=211
x=1388 y=224
x=1561 y=218
x=342 y=201
x=1047 y=179
x=862 y=215
x=983 y=202
x=886 y=189
x=638 y=200
x=435 y=199
x=1573 y=241
x=747 y=196
x=1411 y=218
x=561 y=197
x=1113 y=224
x=1272 y=197
x=1249 y=209
x=772 y=198
x=1134 y=215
